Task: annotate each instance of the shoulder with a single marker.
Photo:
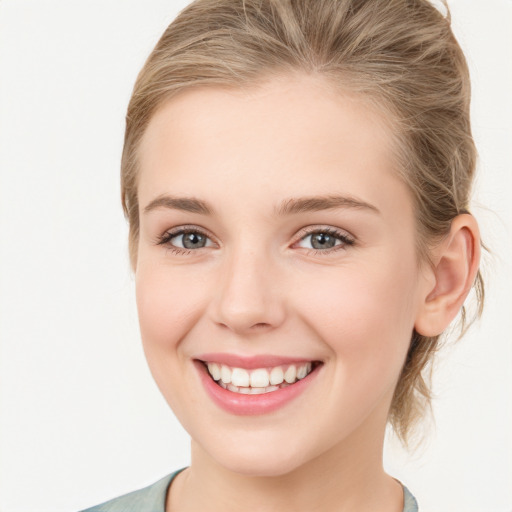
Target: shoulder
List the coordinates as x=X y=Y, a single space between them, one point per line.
x=148 y=499
x=410 y=503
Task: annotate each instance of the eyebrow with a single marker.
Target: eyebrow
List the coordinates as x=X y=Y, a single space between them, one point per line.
x=187 y=204
x=318 y=203
x=287 y=207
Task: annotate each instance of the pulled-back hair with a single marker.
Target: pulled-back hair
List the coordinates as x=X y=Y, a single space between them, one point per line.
x=399 y=54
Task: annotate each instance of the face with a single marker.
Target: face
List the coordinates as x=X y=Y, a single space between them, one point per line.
x=277 y=280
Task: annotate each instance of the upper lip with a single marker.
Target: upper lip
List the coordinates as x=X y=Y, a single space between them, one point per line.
x=251 y=362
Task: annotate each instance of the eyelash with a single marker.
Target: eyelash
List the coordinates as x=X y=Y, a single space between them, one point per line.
x=183 y=230
x=345 y=239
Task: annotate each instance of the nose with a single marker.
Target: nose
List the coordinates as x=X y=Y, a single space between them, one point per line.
x=249 y=297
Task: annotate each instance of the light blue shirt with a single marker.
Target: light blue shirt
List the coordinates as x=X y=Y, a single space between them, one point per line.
x=152 y=499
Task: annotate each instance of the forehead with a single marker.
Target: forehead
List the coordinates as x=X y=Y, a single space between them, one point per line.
x=297 y=132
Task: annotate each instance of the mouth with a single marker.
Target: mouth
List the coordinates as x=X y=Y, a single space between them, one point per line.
x=259 y=381
x=258 y=384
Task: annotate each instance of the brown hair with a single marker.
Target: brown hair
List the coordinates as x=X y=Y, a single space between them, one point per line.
x=400 y=54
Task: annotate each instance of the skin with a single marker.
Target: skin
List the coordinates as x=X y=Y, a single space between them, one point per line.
x=259 y=287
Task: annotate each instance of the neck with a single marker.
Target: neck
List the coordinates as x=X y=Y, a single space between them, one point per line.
x=347 y=477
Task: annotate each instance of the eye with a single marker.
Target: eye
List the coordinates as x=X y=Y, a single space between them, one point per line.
x=185 y=239
x=325 y=239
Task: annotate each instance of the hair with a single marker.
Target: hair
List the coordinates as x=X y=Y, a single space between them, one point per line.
x=399 y=54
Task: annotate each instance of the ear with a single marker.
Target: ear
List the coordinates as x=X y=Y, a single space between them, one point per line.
x=455 y=267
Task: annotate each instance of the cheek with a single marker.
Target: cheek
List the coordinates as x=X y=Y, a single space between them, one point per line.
x=168 y=303
x=366 y=316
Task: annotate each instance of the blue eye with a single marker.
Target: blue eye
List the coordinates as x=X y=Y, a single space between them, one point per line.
x=320 y=240
x=185 y=239
x=325 y=239
x=189 y=240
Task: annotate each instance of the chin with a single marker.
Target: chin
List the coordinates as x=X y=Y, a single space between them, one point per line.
x=261 y=468
x=260 y=459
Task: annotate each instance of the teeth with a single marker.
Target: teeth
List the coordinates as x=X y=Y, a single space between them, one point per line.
x=276 y=376
x=240 y=377
x=303 y=370
x=260 y=378
x=214 y=370
x=225 y=374
x=290 y=374
x=258 y=381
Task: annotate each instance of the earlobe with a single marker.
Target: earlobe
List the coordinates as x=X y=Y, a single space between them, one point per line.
x=456 y=262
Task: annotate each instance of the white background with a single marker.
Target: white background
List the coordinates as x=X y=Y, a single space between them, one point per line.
x=81 y=419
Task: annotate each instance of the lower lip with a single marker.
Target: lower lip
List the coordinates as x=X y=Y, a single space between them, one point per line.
x=245 y=405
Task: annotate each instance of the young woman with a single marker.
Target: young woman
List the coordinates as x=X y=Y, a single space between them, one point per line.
x=296 y=176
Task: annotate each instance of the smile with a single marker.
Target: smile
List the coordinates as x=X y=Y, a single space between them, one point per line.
x=255 y=385
x=260 y=380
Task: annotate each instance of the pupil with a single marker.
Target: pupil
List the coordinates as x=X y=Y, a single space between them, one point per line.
x=322 y=241
x=193 y=240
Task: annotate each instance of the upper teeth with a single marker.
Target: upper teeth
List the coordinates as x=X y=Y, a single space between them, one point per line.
x=259 y=377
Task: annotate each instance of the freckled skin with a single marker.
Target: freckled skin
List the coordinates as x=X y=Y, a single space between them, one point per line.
x=258 y=289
